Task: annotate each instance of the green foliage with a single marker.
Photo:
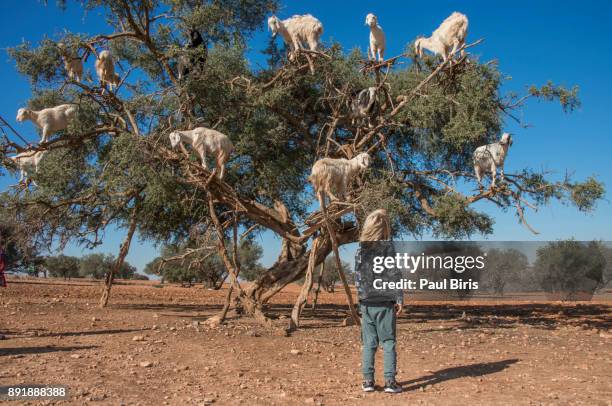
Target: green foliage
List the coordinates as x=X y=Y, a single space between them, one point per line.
x=249 y=255
x=330 y=274
x=502 y=268
x=204 y=266
x=63 y=266
x=98 y=265
x=586 y=194
x=549 y=92
x=570 y=267
x=457 y=220
x=95 y=266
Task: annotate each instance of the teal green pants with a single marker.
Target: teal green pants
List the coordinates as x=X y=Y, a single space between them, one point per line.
x=378 y=327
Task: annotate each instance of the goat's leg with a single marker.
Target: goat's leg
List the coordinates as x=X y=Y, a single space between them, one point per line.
x=493 y=174
x=332 y=197
x=501 y=174
x=45 y=134
x=203 y=158
x=455 y=47
x=478 y=172
x=313 y=44
x=220 y=167
x=381 y=55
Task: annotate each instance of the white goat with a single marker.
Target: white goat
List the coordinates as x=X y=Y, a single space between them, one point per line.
x=447 y=39
x=298 y=30
x=336 y=174
x=105 y=68
x=49 y=120
x=73 y=66
x=378 y=41
x=206 y=141
x=488 y=158
x=26 y=161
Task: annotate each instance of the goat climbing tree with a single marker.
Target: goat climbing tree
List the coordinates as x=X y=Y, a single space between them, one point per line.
x=113 y=166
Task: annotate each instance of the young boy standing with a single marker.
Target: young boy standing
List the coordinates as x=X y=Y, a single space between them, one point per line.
x=379 y=309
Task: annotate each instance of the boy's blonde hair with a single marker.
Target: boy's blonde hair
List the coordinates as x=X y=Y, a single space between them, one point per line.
x=376 y=227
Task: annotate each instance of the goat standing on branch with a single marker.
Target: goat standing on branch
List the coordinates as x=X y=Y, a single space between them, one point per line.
x=72 y=63
x=27 y=161
x=105 y=68
x=378 y=42
x=488 y=158
x=49 y=120
x=336 y=174
x=447 y=39
x=298 y=30
x=206 y=141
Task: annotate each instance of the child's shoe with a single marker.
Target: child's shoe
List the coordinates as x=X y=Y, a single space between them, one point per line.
x=392 y=387
x=367 y=386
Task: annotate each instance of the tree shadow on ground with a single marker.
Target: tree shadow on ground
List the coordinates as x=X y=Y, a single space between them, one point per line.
x=544 y=315
x=472 y=370
x=165 y=307
x=93 y=332
x=41 y=350
x=37 y=332
x=68 y=283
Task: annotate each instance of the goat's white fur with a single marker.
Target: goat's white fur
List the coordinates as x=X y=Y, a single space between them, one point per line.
x=26 y=161
x=336 y=174
x=488 y=158
x=73 y=66
x=378 y=41
x=105 y=68
x=206 y=141
x=298 y=30
x=49 y=120
x=447 y=38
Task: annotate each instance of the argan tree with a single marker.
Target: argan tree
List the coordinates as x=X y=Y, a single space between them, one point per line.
x=114 y=165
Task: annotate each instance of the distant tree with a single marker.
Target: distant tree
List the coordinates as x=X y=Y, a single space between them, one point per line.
x=95 y=265
x=503 y=267
x=330 y=274
x=140 y=277
x=19 y=251
x=570 y=267
x=250 y=254
x=63 y=266
x=126 y=271
x=204 y=267
x=606 y=251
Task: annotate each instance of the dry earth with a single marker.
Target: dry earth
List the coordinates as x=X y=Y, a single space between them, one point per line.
x=149 y=347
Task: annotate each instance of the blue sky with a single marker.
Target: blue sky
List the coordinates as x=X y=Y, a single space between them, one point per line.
x=534 y=41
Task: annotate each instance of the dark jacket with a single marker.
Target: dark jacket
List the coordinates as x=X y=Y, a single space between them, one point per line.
x=365 y=276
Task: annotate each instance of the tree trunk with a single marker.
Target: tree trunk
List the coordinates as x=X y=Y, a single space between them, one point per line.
x=123 y=251
x=284 y=272
x=294 y=322
x=347 y=290
x=319 y=281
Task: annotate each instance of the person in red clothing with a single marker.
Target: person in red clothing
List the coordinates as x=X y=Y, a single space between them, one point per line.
x=2 y=267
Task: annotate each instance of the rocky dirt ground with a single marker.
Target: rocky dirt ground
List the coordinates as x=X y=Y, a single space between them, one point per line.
x=150 y=347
